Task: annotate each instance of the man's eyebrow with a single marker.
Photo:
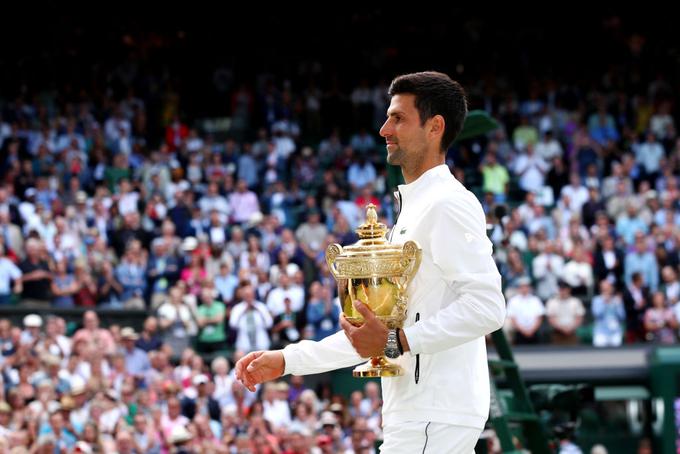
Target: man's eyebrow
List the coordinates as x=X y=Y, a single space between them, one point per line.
x=394 y=112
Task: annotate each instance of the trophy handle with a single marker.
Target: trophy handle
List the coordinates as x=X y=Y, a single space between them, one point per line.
x=412 y=256
x=332 y=251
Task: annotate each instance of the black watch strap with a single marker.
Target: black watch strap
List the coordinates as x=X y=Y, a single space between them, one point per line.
x=401 y=349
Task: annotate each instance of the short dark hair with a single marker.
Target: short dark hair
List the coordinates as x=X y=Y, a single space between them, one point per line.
x=436 y=94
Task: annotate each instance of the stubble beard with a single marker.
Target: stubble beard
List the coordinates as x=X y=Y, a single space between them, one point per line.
x=396 y=157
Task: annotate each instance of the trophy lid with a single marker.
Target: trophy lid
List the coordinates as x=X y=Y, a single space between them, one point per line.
x=371 y=229
x=372 y=255
x=372 y=239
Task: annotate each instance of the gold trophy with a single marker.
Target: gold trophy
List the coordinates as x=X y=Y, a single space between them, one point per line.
x=376 y=273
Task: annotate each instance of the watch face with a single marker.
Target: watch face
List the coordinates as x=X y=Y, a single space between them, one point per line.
x=392 y=353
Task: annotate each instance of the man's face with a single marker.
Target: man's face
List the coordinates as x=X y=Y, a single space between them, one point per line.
x=406 y=138
x=91 y=321
x=140 y=423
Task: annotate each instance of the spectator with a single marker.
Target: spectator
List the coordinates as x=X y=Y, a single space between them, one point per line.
x=131 y=274
x=323 y=313
x=547 y=269
x=609 y=260
x=578 y=272
x=254 y=257
x=565 y=315
x=203 y=403
x=225 y=282
x=211 y=315
x=244 y=203
x=285 y=290
x=495 y=177
x=149 y=340
x=282 y=266
x=275 y=404
x=284 y=326
x=548 y=147
x=136 y=359
x=10 y=278
x=64 y=286
x=36 y=276
x=176 y=321
x=93 y=336
x=223 y=382
x=648 y=156
x=531 y=170
x=635 y=299
x=658 y=321
x=144 y=435
x=671 y=285
x=360 y=173
x=642 y=261
x=251 y=321
x=609 y=317
x=525 y=314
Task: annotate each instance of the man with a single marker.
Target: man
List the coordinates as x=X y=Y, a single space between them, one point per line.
x=136 y=360
x=251 y=321
x=94 y=336
x=36 y=275
x=455 y=298
x=565 y=314
x=203 y=403
x=525 y=313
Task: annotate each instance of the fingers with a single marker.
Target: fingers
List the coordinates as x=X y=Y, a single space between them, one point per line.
x=364 y=310
x=346 y=326
x=244 y=370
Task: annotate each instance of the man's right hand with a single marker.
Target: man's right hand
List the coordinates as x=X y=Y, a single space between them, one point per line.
x=258 y=367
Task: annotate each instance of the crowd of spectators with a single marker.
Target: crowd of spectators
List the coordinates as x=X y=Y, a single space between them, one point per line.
x=221 y=240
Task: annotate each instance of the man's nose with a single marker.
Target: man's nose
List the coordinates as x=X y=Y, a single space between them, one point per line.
x=385 y=129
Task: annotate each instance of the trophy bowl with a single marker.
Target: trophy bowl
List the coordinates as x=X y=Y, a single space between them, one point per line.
x=376 y=273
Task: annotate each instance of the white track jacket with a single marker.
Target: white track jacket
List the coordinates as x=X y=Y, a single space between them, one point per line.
x=454 y=300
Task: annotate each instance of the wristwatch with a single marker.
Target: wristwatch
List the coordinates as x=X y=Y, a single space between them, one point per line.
x=392 y=346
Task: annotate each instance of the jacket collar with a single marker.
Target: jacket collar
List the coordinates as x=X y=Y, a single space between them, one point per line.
x=415 y=187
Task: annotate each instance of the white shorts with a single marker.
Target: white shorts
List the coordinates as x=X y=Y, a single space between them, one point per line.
x=418 y=437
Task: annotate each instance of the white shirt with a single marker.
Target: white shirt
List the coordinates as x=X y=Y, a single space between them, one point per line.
x=251 y=326
x=169 y=311
x=128 y=203
x=277 y=413
x=578 y=273
x=531 y=171
x=525 y=310
x=8 y=271
x=275 y=299
x=456 y=296
x=548 y=150
x=578 y=195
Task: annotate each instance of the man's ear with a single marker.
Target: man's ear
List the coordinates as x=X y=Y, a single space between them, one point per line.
x=437 y=125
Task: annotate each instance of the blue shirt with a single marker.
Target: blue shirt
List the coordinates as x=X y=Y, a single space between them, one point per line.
x=136 y=361
x=646 y=265
x=608 y=317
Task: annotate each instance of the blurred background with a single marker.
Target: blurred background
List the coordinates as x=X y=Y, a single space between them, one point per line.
x=171 y=176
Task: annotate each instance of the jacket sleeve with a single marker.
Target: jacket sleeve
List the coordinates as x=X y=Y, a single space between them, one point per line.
x=463 y=253
x=309 y=357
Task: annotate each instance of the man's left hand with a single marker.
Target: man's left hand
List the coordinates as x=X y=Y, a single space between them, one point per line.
x=368 y=339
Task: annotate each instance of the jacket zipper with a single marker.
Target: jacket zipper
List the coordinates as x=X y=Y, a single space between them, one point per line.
x=417 y=356
x=397 y=194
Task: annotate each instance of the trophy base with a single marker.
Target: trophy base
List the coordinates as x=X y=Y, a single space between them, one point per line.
x=378 y=367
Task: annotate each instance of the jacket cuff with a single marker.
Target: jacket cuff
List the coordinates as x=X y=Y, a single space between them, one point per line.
x=289 y=355
x=413 y=339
